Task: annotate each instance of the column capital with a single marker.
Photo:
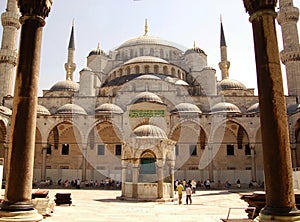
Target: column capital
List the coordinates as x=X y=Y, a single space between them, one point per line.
x=257 y=8
x=39 y=8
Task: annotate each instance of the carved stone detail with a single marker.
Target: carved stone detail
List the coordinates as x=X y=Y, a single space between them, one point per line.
x=35 y=7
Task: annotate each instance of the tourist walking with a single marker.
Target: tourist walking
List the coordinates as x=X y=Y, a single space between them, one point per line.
x=180 y=190
x=188 y=192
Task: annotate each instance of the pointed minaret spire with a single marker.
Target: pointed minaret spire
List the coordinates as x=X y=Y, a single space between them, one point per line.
x=70 y=66
x=8 y=50
x=224 y=64
x=146 y=27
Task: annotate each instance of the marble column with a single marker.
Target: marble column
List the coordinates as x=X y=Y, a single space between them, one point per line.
x=172 y=177
x=211 y=163
x=84 y=162
x=280 y=198
x=17 y=201
x=253 y=163
x=5 y=166
x=124 y=175
x=44 y=158
x=160 y=177
x=135 y=177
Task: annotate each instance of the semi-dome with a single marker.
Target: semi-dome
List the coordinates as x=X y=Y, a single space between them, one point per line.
x=149 y=40
x=148 y=76
x=42 y=110
x=143 y=59
x=227 y=84
x=180 y=82
x=147 y=97
x=254 y=108
x=186 y=108
x=5 y=110
x=71 y=109
x=149 y=131
x=225 y=107
x=65 y=85
x=108 y=108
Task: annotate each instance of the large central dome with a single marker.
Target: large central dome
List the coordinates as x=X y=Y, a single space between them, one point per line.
x=149 y=40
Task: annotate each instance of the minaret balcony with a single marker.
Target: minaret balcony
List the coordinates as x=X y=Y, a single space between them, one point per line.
x=290 y=55
x=10 y=19
x=290 y=14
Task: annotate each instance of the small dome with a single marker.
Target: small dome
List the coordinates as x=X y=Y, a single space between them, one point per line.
x=148 y=76
x=65 y=85
x=5 y=110
x=194 y=50
x=254 y=108
x=71 y=109
x=108 y=108
x=149 y=131
x=145 y=59
x=227 y=84
x=224 y=107
x=186 y=108
x=147 y=97
x=97 y=51
x=294 y=108
x=181 y=83
x=86 y=69
x=42 y=110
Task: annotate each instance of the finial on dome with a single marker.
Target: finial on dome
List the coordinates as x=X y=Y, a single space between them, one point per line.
x=146 y=26
x=98 y=46
x=195 y=44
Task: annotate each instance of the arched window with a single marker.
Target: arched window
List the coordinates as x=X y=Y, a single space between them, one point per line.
x=152 y=52
x=156 y=69
x=172 y=71
x=137 y=69
x=147 y=69
x=165 y=70
x=162 y=53
x=128 y=70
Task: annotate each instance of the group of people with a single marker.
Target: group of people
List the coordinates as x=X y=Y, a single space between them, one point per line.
x=188 y=186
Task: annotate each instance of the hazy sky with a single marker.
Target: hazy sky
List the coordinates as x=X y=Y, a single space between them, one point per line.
x=112 y=22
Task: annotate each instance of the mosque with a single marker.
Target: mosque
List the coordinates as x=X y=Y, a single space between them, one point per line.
x=148 y=112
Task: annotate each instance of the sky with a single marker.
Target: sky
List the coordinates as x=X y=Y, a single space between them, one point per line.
x=112 y=22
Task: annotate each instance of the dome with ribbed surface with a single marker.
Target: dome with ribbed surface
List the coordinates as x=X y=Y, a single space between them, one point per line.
x=142 y=59
x=225 y=107
x=254 y=108
x=42 y=110
x=5 y=110
x=147 y=97
x=186 y=108
x=194 y=50
x=65 y=85
x=227 y=84
x=71 y=109
x=149 y=40
x=108 y=108
x=149 y=131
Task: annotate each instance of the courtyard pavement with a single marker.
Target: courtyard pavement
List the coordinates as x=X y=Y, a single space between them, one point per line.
x=101 y=205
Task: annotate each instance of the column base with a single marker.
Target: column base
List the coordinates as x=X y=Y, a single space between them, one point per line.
x=275 y=218
x=270 y=214
x=20 y=216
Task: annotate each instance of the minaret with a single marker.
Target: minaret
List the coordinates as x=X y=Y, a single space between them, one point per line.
x=287 y=18
x=224 y=64
x=8 y=51
x=70 y=66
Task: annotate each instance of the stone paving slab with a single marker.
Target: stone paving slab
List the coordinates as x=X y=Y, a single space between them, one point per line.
x=102 y=205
